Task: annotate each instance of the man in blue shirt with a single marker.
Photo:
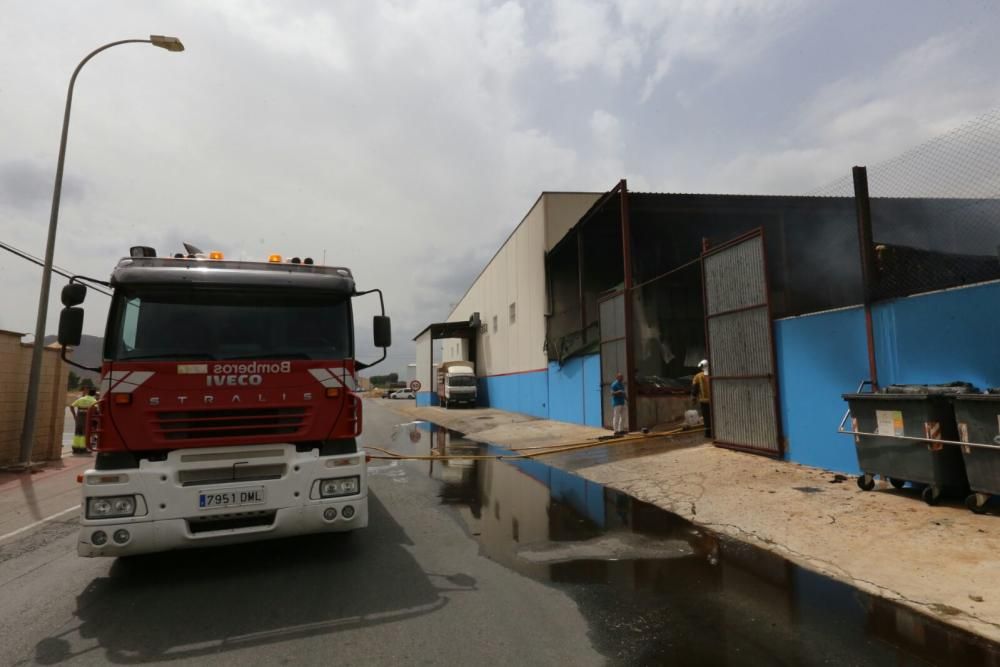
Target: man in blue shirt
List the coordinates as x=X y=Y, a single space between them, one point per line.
x=618 y=404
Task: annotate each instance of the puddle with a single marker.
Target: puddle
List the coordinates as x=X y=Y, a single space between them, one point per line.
x=656 y=588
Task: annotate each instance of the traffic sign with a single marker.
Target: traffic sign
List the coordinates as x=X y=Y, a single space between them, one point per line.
x=415 y=385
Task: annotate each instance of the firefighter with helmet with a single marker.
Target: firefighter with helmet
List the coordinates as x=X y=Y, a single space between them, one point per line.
x=701 y=391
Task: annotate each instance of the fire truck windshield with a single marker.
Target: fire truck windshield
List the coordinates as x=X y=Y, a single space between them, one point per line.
x=235 y=323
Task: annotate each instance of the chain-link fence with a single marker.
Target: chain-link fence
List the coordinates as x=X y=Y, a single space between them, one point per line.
x=935 y=212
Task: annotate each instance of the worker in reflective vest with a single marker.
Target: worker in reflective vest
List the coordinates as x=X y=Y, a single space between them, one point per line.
x=79 y=408
x=701 y=390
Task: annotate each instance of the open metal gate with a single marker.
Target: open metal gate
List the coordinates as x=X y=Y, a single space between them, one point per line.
x=611 y=313
x=740 y=341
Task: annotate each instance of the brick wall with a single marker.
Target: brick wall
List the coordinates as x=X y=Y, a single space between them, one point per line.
x=15 y=363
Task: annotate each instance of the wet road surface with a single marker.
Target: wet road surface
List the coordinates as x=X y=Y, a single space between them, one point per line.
x=656 y=589
x=464 y=562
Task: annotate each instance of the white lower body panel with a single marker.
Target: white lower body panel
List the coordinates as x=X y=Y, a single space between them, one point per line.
x=168 y=500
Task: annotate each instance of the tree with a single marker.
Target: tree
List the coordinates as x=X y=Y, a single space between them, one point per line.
x=384 y=380
x=74 y=381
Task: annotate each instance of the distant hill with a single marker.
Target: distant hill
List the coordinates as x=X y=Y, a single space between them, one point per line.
x=90 y=353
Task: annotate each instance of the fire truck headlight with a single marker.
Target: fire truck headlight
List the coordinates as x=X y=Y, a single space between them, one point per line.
x=341 y=486
x=109 y=507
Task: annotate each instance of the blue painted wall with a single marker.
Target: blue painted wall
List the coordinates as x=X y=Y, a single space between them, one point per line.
x=923 y=339
x=566 y=391
x=575 y=390
x=527 y=393
x=570 y=392
x=820 y=357
x=586 y=497
x=425 y=398
x=592 y=390
x=940 y=337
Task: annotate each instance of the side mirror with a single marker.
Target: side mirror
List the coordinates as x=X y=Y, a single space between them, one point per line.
x=74 y=294
x=70 y=325
x=383 y=331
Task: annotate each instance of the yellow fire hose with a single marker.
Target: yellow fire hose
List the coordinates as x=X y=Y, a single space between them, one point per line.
x=544 y=449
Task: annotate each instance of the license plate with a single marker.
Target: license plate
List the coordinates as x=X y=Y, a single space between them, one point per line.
x=249 y=495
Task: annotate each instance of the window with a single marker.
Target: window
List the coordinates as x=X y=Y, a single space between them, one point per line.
x=153 y=323
x=130 y=322
x=513 y=312
x=496 y=326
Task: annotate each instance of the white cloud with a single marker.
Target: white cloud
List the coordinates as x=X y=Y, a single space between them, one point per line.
x=606 y=130
x=652 y=35
x=312 y=33
x=394 y=134
x=586 y=34
x=870 y=117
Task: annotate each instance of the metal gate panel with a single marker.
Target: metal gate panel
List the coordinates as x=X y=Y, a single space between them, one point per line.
x=741 y=346
x=611 y=311
x=745 y=416
x=741 y=343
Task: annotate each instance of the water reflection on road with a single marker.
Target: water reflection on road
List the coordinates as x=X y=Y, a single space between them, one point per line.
x=654 y=587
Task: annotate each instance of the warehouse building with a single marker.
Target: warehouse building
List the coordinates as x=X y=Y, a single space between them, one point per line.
x=771 y=289
x=500 y=322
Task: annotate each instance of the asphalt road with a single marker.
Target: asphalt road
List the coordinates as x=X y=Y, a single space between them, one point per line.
x=411 y=589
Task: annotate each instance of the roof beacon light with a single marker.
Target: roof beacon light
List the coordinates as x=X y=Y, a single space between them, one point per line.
x=215 y=254
x=308 y=260
x=141 y=251
x=274 y=258
x=296 y=260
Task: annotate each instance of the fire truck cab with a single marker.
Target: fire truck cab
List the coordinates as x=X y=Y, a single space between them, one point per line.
x=228 y=410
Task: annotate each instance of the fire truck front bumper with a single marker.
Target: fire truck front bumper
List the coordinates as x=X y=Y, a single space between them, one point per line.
x=172 y=509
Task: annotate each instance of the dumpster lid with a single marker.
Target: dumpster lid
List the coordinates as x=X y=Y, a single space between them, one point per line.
x=946 y=389
x=918 y=392
x=990 y=395
x=882 y=396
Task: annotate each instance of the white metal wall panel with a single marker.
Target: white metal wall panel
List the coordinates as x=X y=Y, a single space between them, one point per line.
x=424 y=374
x=516 y=275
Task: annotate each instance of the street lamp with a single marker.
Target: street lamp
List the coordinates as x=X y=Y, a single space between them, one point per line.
x=30 y=408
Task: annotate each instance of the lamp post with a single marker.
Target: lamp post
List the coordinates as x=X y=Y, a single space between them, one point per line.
x=31 y=407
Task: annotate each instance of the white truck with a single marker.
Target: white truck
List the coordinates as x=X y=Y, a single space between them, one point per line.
x=456 y=384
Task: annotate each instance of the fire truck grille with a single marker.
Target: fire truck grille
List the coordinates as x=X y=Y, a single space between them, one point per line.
x=234 y=521
x=248 y=422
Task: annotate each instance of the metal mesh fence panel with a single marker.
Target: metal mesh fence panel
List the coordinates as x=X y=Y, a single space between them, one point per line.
x=936 y=212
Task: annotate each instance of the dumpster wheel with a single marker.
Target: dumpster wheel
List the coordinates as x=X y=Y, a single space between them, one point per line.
x=866 y=482
x=931 y=495
x=977 y=502
x=897 y=483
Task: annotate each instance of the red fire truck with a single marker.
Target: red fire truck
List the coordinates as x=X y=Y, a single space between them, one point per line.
x=227 y=410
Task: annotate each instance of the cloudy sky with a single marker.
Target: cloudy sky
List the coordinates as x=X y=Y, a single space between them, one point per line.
x=406 y=139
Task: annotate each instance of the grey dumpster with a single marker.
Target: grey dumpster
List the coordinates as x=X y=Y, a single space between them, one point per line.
x=978 y=417
x=914 y=412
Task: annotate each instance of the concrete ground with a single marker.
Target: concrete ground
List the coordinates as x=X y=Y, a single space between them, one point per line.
x=942 y=560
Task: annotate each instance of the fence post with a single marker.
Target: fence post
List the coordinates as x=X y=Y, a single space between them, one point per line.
x=869 y=269
x=631 y=390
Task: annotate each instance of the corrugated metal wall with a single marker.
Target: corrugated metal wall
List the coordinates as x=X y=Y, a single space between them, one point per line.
x=744 y=406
